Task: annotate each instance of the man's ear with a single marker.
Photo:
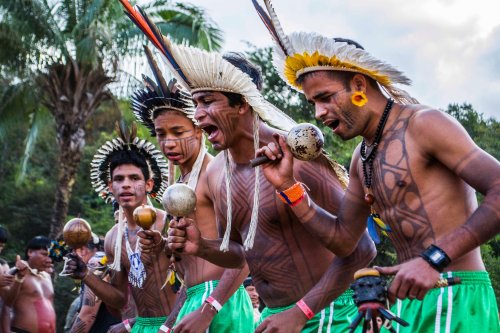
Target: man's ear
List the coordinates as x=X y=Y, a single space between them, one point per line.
x=244 y=108
x=358 y=83
x=149 y=185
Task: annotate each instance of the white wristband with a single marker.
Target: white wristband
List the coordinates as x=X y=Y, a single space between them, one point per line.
x=212 y=301
x=127 y=325
x=165 y=329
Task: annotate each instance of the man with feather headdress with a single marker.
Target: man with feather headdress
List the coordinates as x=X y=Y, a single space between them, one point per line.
x=167 y=111
x=130 y=170
x=292 y=271
x=414 y=176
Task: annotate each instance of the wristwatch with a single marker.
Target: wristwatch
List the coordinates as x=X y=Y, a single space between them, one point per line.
x=436 y=257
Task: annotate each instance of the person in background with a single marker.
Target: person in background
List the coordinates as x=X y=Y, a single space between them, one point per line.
x=31 y=295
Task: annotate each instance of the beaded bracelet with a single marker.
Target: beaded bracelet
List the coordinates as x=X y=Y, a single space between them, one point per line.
x=307 y=310
x=292 y=195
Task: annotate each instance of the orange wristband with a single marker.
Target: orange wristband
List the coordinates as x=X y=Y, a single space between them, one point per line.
x=292 y=195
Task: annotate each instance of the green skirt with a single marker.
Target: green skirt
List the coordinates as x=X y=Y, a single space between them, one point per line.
x=466 y=307
x=236 y=316
x=336 y=317
x=148 y=325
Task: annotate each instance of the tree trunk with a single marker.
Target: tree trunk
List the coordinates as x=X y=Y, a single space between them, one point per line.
x=72 y=94
x=70 y=154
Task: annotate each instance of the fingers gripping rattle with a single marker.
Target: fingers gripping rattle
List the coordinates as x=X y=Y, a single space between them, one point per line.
x=370 y=296
x=179 y=200
x=305 y=141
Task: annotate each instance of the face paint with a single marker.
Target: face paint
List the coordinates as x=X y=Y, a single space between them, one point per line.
x=128 y=186
x=216 y=118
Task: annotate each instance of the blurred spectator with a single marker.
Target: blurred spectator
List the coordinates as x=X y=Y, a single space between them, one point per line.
x=254 y=297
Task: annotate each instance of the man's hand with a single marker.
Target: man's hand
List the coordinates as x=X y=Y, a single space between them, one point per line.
x=279 y=172
x=117 y=328
x=22 y=267
x=183 y=235
x=6 y=280
x=151 y=241
x=75 y=267
x=413 y=279
x=289 y=321
x=197 y=321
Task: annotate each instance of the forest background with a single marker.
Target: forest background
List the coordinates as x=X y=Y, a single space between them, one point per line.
x=30 y=144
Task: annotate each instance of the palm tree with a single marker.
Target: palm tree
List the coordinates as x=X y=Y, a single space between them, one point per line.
x=59 y=57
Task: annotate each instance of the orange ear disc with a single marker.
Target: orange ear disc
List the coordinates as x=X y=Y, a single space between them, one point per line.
x=77 y=233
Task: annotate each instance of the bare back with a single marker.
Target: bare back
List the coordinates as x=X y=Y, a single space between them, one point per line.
x=286 y=260
x=421 y=198
x=33 y=308
x=150 y=300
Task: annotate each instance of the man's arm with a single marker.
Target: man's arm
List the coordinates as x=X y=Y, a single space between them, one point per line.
x=87 y=314
x=11 y=293
x=200 y=319
x=446 y=140
x=443 y=139
x=339 y=232
x=331 y=285
x=179 y=303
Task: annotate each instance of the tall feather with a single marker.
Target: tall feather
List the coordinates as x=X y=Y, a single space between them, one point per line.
x=139 y=22
x=164 y=46
x=151 y=85
x=269 y=25
x=284 y=41
x=157 y=73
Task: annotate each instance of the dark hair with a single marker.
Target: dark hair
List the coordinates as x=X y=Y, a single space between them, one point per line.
x=37 y=243
x=343 y=76
x=248 y=282
x=3 y=262
x=131 y=156
x=239 y=61
x=4 y=235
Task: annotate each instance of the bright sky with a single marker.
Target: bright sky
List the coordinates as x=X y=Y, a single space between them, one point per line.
x=449 y=48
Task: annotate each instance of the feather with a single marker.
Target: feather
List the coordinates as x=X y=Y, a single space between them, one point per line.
x=140 y=22
x=372 y=230
x=133 y=132
x=284 y=41
x=157 y=73
x=269 y=25
x=164 y=47
x=380 y=223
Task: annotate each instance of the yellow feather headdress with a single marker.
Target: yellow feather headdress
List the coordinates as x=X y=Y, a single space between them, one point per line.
x=303 y=52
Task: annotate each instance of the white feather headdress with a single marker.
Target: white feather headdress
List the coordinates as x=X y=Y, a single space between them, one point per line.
x=303 y=52
x=199 y=70
x=100 y=174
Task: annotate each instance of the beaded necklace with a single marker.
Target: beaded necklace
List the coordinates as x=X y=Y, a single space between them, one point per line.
x=367 y=159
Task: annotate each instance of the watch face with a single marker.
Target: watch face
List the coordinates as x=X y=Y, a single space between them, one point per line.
x=436 y=257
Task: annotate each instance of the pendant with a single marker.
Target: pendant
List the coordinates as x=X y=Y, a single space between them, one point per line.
x=137 y=274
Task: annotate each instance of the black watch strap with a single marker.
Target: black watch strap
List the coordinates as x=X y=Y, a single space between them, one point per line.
x=436 y=257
